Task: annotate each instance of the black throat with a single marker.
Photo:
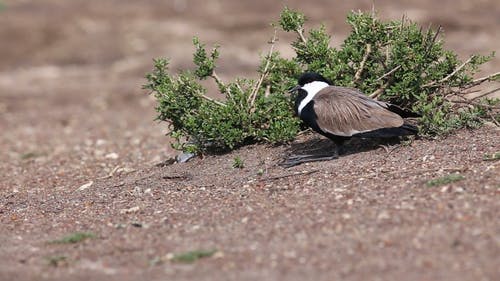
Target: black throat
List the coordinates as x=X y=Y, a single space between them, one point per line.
x=301 y=94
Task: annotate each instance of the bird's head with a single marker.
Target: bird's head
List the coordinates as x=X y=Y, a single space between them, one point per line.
x=308 y=78
x=309 y=84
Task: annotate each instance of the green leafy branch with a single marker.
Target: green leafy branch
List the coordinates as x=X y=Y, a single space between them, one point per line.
x=395 y=61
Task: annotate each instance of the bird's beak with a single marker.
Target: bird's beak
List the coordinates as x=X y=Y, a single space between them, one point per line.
x=296 y=88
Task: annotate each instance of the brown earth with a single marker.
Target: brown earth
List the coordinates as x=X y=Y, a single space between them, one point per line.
x=72 y=113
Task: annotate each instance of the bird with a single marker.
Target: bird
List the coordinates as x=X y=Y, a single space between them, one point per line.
x=340 y=113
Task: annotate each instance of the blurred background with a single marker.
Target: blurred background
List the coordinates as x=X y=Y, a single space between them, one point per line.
x=71 y=71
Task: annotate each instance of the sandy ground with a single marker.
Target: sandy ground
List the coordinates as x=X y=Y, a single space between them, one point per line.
x=72 y=112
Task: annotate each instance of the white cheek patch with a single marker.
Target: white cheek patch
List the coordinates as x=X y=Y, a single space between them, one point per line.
x=312 y=89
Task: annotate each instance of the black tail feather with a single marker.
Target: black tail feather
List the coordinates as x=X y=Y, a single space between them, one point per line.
x=405 y=113
x=405 y=130
x=412 y=129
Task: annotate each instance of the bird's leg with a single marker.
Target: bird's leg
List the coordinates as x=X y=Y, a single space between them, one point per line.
x=385 y=147
x=391 y=144
x=306 y=159
x=339 y=148
x=311 y=148
x=295 y=160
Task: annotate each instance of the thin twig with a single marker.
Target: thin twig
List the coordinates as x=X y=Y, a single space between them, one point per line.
x=484 y=94
x=382 y=88
x=387 y=57
x=433 y=40
x=357 y=76
x=379 y=91
x=468 y=92
x=403 y=18
x=449 y=75
x=389 y=73
x=420 y=171
x=255 y=90
x=475 y=103
x=300 y=32
x=453 y=93
x=115 y=169
x=303 y=132
x=183 y=176
x=493 y=119
x=218 y=80
x=355 y=27
x=221 y=85
x=213 y=100
x=481 y=80
x=437 y=34
x=239 y=86
x=111 y=174
x=267 y=93
x=289 y=175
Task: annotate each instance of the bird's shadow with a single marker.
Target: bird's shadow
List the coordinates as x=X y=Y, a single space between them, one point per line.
x=319 y=145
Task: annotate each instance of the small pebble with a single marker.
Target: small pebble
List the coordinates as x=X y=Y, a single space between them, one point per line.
x=111 y=155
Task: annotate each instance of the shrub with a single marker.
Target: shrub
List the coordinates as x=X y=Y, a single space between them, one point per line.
x=395 y=61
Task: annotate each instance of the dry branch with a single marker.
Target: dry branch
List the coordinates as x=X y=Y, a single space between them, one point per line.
x=485 y=94
x=449 y=75
x=389 y=73
x=213 y=100
x=264 y=73
x=221 y=85
x=433 y=40
x=300 y=32
x=478 y=81
x=475 y=103
x=357 y=76
x=493 y=118
x=218 y=80
x=379 y=91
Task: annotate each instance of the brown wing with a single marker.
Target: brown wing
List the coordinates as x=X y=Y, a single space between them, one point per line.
x=345 y=112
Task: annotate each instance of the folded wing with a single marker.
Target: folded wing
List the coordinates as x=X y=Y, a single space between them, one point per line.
x=346 y=112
